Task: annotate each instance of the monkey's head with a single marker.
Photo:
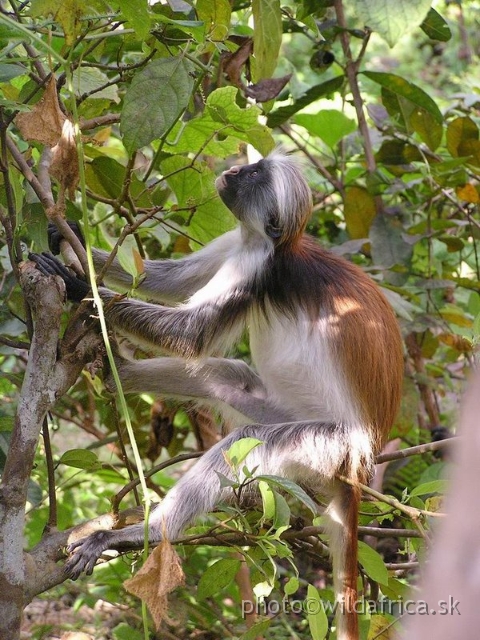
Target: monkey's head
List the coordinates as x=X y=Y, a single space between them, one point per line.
x=270 y=197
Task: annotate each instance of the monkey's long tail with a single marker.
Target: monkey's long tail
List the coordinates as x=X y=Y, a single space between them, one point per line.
x=343 y=529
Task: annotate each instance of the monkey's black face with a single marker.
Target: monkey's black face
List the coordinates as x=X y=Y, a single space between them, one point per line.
x=244 y=188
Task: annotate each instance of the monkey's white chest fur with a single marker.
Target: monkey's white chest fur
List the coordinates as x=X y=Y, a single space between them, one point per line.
x=299 y=369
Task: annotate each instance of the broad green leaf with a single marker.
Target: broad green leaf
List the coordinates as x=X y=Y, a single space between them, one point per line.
x=155 y=100
x=216 y=15
x=80 y=459
x=293 y=489
x=137 y=16
x=372 y=563
x=221 y=126
x=217 y=577
x=408 y=90
x=460 y=131
x=392 y=19
x=316 y=616
x=330 y=125
x=436 y=27
x=435 y=486
x=281 y=115
x=240 y=450
x=106 y=177
x=267 y=37
x=10 y=71
x=359 y=211
x=194 y=188
x=395 y=589
x=88 y=80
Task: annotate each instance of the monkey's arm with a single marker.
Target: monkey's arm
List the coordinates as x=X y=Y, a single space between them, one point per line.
x=190 y=330
x=165 y=280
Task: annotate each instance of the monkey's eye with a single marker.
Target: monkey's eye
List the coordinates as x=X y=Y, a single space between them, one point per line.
x=252 y=174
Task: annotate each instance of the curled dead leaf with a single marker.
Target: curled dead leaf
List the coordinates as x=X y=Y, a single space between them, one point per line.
x=44 y=123
x=161 y=574
x=267 y=89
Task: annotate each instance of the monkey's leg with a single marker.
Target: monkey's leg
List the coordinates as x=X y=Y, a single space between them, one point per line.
x=221 y=383
x=306 y=452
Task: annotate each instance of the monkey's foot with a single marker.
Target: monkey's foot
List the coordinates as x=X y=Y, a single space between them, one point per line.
x=85 y=552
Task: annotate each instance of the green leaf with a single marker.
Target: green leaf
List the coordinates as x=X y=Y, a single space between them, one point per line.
x=281 y=115
x=291 y=586
x=80 y=459
x=222 y=116
x=401 y=87
x=293 y=489
x=89 y=80
x=267 y=37
x=316 y=616
x=372 y=563
x=194 y=188
x=392 y=20
x=435 y=486
x=10 y=71
x=124 y=631
x=218 y=576
x=257 y=630
x=216 y=15
x=137 y=15
x=240 y=450
x=436 y=27
x=155 y=100
x=389 y=247
x=106 y=177
x=330 y=125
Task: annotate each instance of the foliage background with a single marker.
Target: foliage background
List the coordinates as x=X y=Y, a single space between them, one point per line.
x=165 y=97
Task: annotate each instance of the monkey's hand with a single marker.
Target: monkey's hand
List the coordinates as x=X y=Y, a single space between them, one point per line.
x=85 y=552
x=47 y=264
x=55 y=237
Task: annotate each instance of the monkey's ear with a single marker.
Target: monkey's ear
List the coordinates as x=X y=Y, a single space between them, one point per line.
x=273 y=232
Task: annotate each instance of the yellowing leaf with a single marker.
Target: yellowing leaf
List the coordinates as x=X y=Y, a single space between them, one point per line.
x=468 y=193
x=359 y=212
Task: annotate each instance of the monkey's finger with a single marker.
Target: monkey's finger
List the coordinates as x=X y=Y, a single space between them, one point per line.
x=55 y=237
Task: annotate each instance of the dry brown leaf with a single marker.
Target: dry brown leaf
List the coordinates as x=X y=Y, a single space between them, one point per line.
x=64 y=165
x=44 y=123
x=161 y=574
x=267 y=89
x=233 y=63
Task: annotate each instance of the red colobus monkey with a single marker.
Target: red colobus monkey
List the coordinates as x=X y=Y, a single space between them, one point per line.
x=323 y=339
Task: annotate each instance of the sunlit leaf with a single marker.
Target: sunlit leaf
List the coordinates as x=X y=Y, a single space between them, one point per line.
x=392 y=20
x=267 y=37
